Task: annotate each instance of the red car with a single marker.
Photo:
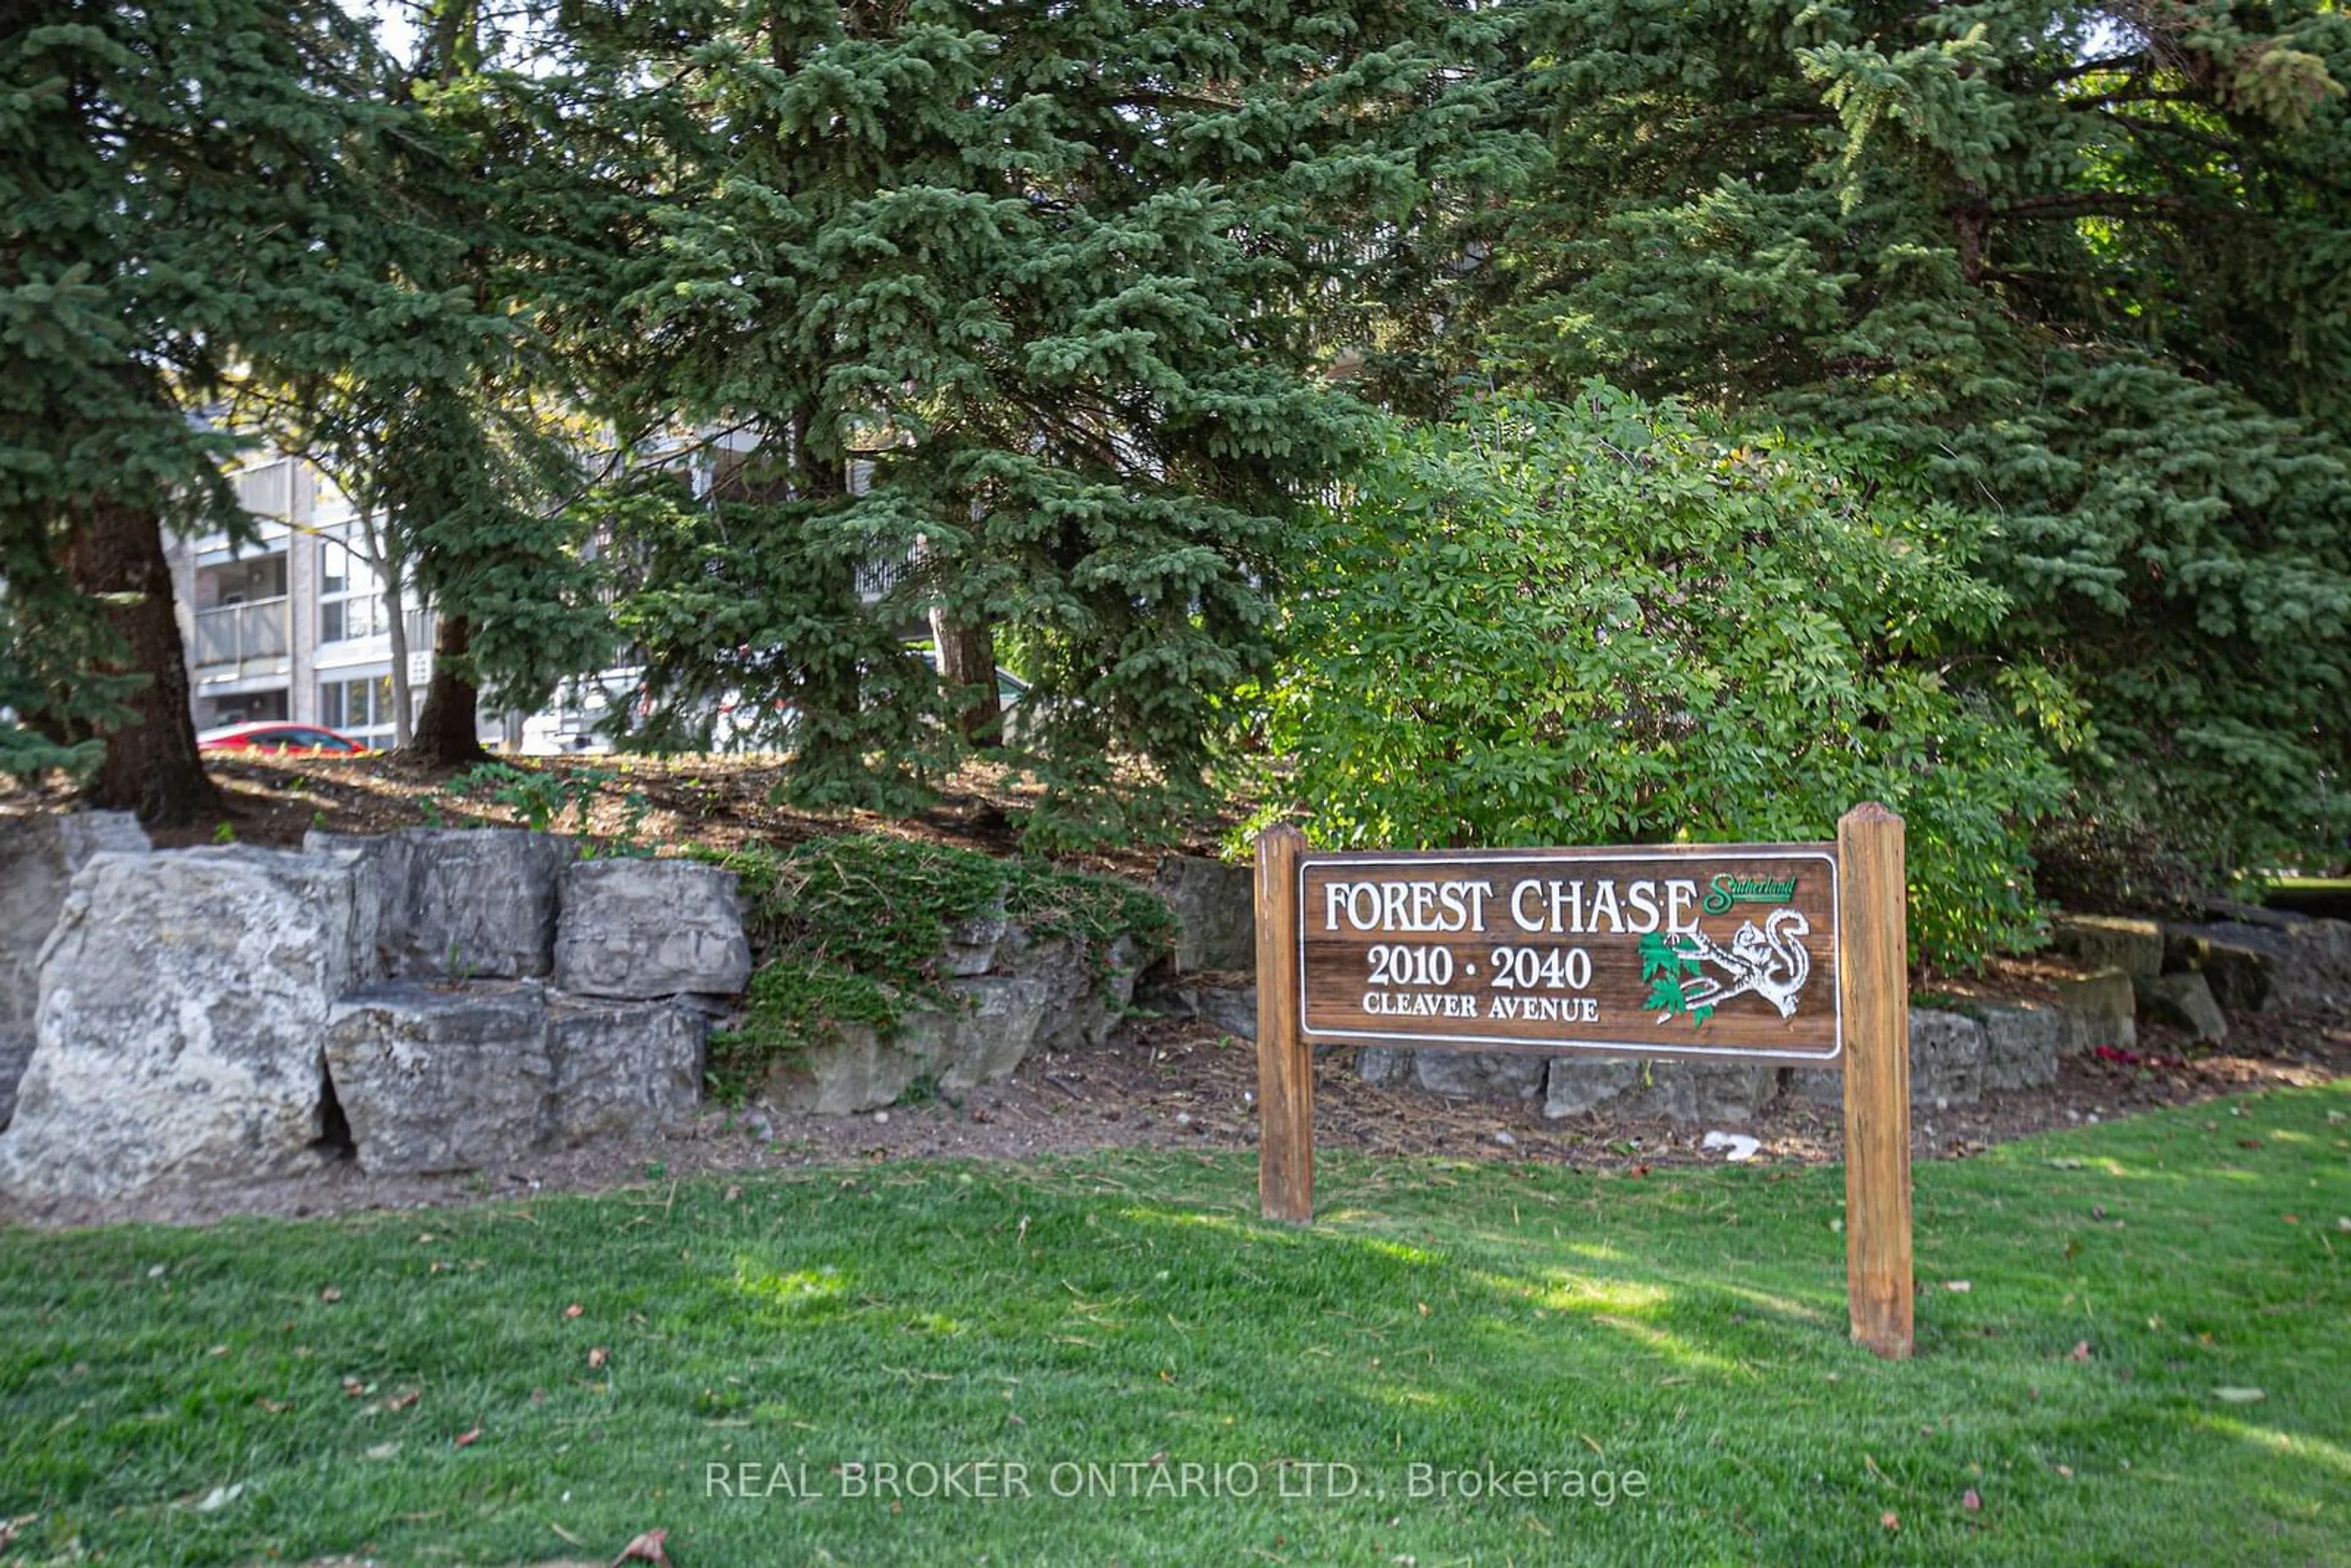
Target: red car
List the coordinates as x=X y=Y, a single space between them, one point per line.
x=276 y=734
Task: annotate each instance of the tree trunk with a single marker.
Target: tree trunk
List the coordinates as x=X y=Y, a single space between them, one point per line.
x=448 y=732
x=403 y=727
x=390 y=569
x=152 y=765
x=967 y=666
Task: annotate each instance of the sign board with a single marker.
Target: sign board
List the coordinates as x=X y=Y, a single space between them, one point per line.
x=1708 y=951
x=1793 y=953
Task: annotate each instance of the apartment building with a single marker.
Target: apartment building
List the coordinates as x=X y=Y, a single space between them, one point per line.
x=292 y=625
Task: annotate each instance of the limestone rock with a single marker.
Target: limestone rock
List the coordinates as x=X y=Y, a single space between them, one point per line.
x=1947 y=1057
x=620 y=1067
x=1085 y=993
x=2288 y=963
x=2110 y=942
x=1715 y=1092
x=2099 y=1008
x=982 y=1041
x=1480 y=1074
x=1231 y=1009
x=971 y=946
x=2183 y=1000
x=436 y=1078
x=15 y=1055
x=183 y=996
x=461 y=902
x=1001 y=1021
x=639 y=929
x=2239 y=961
x=38 y=856
x=1215 y=905
x=2021 y=1043
x=1948 y=1054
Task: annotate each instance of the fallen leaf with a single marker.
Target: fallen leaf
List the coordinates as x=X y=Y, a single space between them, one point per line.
x=330 y=1295
x=2239 y=1395
x=2066 y=1472
x=354 y=1387
x=2290 y=1218
x=1640 y=1170
x=645 y=1548
x=1962 y=1286
x=597 y=1357
x=1890 y=1520
x=383 y=1450
x=567 y=1535
x=467 y=1439
x=1423 y=1306
x=275 y=1406
x=2080 y=1352
x=574 y=1309
x=733 y=1193
x=1971 y=1499
x=402 y=1400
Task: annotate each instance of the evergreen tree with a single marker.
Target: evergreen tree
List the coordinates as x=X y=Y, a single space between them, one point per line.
x=170 y=188
x=2083 y=265
x=1010 y=301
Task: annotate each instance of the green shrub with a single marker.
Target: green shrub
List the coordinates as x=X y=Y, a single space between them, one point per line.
x=1612 y=623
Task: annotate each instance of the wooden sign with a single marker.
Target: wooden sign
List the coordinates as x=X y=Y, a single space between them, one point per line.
x=1788 y=953
x=1708 y=951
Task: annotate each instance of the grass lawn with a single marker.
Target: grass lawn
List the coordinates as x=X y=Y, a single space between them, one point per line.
x=287 y=1391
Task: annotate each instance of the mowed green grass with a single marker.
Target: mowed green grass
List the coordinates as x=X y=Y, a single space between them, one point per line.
x=1130 y=1312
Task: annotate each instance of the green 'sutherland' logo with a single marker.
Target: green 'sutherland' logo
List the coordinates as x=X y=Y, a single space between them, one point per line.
x=1727 y=890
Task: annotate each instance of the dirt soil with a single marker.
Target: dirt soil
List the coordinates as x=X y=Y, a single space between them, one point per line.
x=656 y=801
x=1174 y=1084
x=1163 y=1083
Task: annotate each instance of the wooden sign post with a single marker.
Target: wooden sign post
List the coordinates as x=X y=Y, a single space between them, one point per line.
x=1785 y=953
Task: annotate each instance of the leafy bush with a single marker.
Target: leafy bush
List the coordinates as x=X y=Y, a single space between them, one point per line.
x=1610 y=621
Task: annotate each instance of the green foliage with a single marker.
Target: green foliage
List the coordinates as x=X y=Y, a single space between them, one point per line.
x=1615 y=623
x=540 y=795
x=1666 y=963
x=791 y=1003
x=1012 y=302
x=174 y=182
x=2088 y=267
x=852 y=930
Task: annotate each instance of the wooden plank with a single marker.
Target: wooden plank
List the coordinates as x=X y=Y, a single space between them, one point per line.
x=1703 y=951
x=1879 y=1289
x=1285 y=1063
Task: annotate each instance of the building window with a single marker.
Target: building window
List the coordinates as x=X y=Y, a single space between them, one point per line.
x=347 y=608
x=359 y=708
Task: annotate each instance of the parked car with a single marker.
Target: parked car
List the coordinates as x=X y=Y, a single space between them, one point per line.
x=275 y=735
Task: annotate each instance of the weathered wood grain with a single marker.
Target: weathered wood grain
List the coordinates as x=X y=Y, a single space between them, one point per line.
x=1879 y=1291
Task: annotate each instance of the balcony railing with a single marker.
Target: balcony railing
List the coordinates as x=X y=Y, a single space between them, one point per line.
x=237 y=634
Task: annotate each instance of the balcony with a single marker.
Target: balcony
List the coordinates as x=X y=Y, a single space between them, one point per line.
x=240 y=640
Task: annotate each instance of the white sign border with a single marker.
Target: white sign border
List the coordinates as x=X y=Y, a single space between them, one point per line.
x=1519 y=1045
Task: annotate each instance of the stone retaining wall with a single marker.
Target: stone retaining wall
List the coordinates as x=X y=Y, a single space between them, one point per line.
x=427 y=1000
